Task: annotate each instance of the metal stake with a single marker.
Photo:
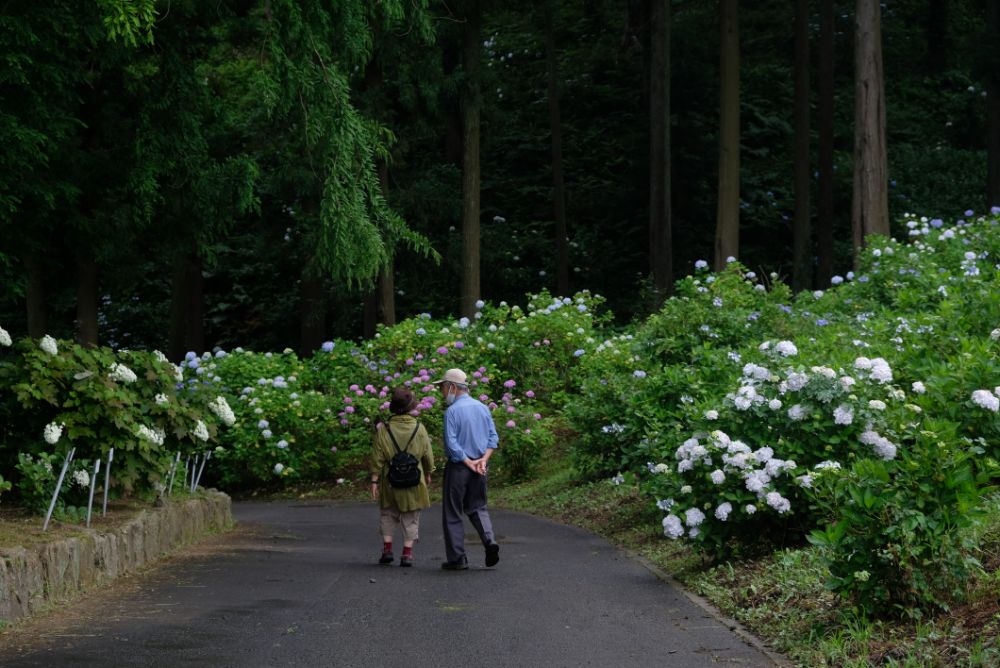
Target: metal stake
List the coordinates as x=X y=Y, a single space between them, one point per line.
x=194 y=472
x=107 y=481
x=55 y=494
x=208 y=455
x=173 y=470
x=93 y=485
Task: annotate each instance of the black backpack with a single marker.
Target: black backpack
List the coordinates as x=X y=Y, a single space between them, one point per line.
x=404 y=470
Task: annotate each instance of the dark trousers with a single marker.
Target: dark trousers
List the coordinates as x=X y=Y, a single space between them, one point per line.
x=464 y=495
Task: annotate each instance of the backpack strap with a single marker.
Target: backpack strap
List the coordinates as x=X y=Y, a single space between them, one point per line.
x=388 y=428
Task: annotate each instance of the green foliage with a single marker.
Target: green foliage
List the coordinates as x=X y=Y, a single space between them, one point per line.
x=899 y=540
x=93 y=400
x=748 y=398
x=38 y=477
x=129 y=20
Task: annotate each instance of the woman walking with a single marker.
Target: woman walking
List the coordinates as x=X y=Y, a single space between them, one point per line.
x=400 y=505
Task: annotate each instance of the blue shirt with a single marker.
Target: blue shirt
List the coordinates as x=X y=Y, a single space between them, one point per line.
x=468 y=430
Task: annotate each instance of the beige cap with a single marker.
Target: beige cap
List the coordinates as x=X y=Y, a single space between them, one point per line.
x=456 y=376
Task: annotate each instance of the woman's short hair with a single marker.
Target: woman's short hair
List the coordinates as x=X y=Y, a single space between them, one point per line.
x=402 y=401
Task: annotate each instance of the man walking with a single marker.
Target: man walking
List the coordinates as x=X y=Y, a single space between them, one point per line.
x=470 y=438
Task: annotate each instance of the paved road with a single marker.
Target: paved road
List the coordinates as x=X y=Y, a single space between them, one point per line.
x=296 y=585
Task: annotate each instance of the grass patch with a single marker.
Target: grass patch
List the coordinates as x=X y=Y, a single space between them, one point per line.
x=781 y=597
x=21 y=528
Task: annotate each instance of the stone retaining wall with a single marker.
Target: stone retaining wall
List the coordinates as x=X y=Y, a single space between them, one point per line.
x=56 y=571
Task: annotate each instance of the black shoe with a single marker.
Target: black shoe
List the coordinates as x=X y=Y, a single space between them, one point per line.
x=406 y=561
x=492 y=555
x=457 y=565
x=386 y=558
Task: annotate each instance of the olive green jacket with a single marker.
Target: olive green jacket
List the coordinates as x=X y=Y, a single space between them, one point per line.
x=413 y=498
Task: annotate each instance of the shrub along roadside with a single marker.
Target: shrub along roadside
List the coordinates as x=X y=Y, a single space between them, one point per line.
x=781 y=597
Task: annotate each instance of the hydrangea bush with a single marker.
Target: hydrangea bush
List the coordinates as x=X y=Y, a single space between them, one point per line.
x=270 y=418
x=59 y=395
x=830 y=386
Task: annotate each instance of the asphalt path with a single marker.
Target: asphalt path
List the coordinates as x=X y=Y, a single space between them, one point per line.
x=296 y=584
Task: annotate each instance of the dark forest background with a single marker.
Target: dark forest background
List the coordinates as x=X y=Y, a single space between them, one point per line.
x=273 y=174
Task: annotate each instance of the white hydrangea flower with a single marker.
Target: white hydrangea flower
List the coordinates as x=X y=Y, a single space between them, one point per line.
x=48 y=344
x=882 y=446
x=756 y=481
x=824 y=371
x=862 y=363
x=201 y=431
x=81 y=478
x=693 y=517
x=122 y=373
x=827 y=465
x=161 y=399
x=775 y=404
x=786 y=348
x=843 y=414
x=155 y=436
x=661 y=468
x=722 y=512
x=986 y=399
x=278 y=468
x=686 y=489
x=995 y=334
x=778 y=502
x=796 y=381
x=749 y=509
x=718 y=477
x=684 y=465
x=52 y=433
x=179 y=373
x=796 y=412
x=876 y=404
x=711 y=415
x=221 y=408
x=847 y=382
x=764 y=454
x=881 y=371
x=672 y=527
x=5 y=339
x=665 y=504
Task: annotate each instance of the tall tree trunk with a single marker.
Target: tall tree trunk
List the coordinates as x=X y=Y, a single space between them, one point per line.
x=471 y=102
x=558 y=187
x=870 y=203
x=35 y=296
x=727 y=226
x=178 y=311
x=993 y=110
x=802 y=236
x=369 y=314
x=937 y=36
x=194 y=283
x=824 y=230
x=386 y=281
x=312 y=312
x=660 y=200
x=187 y=310
x=86 y=300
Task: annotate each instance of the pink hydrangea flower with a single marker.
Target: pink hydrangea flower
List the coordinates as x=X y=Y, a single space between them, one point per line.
x=511 y=424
